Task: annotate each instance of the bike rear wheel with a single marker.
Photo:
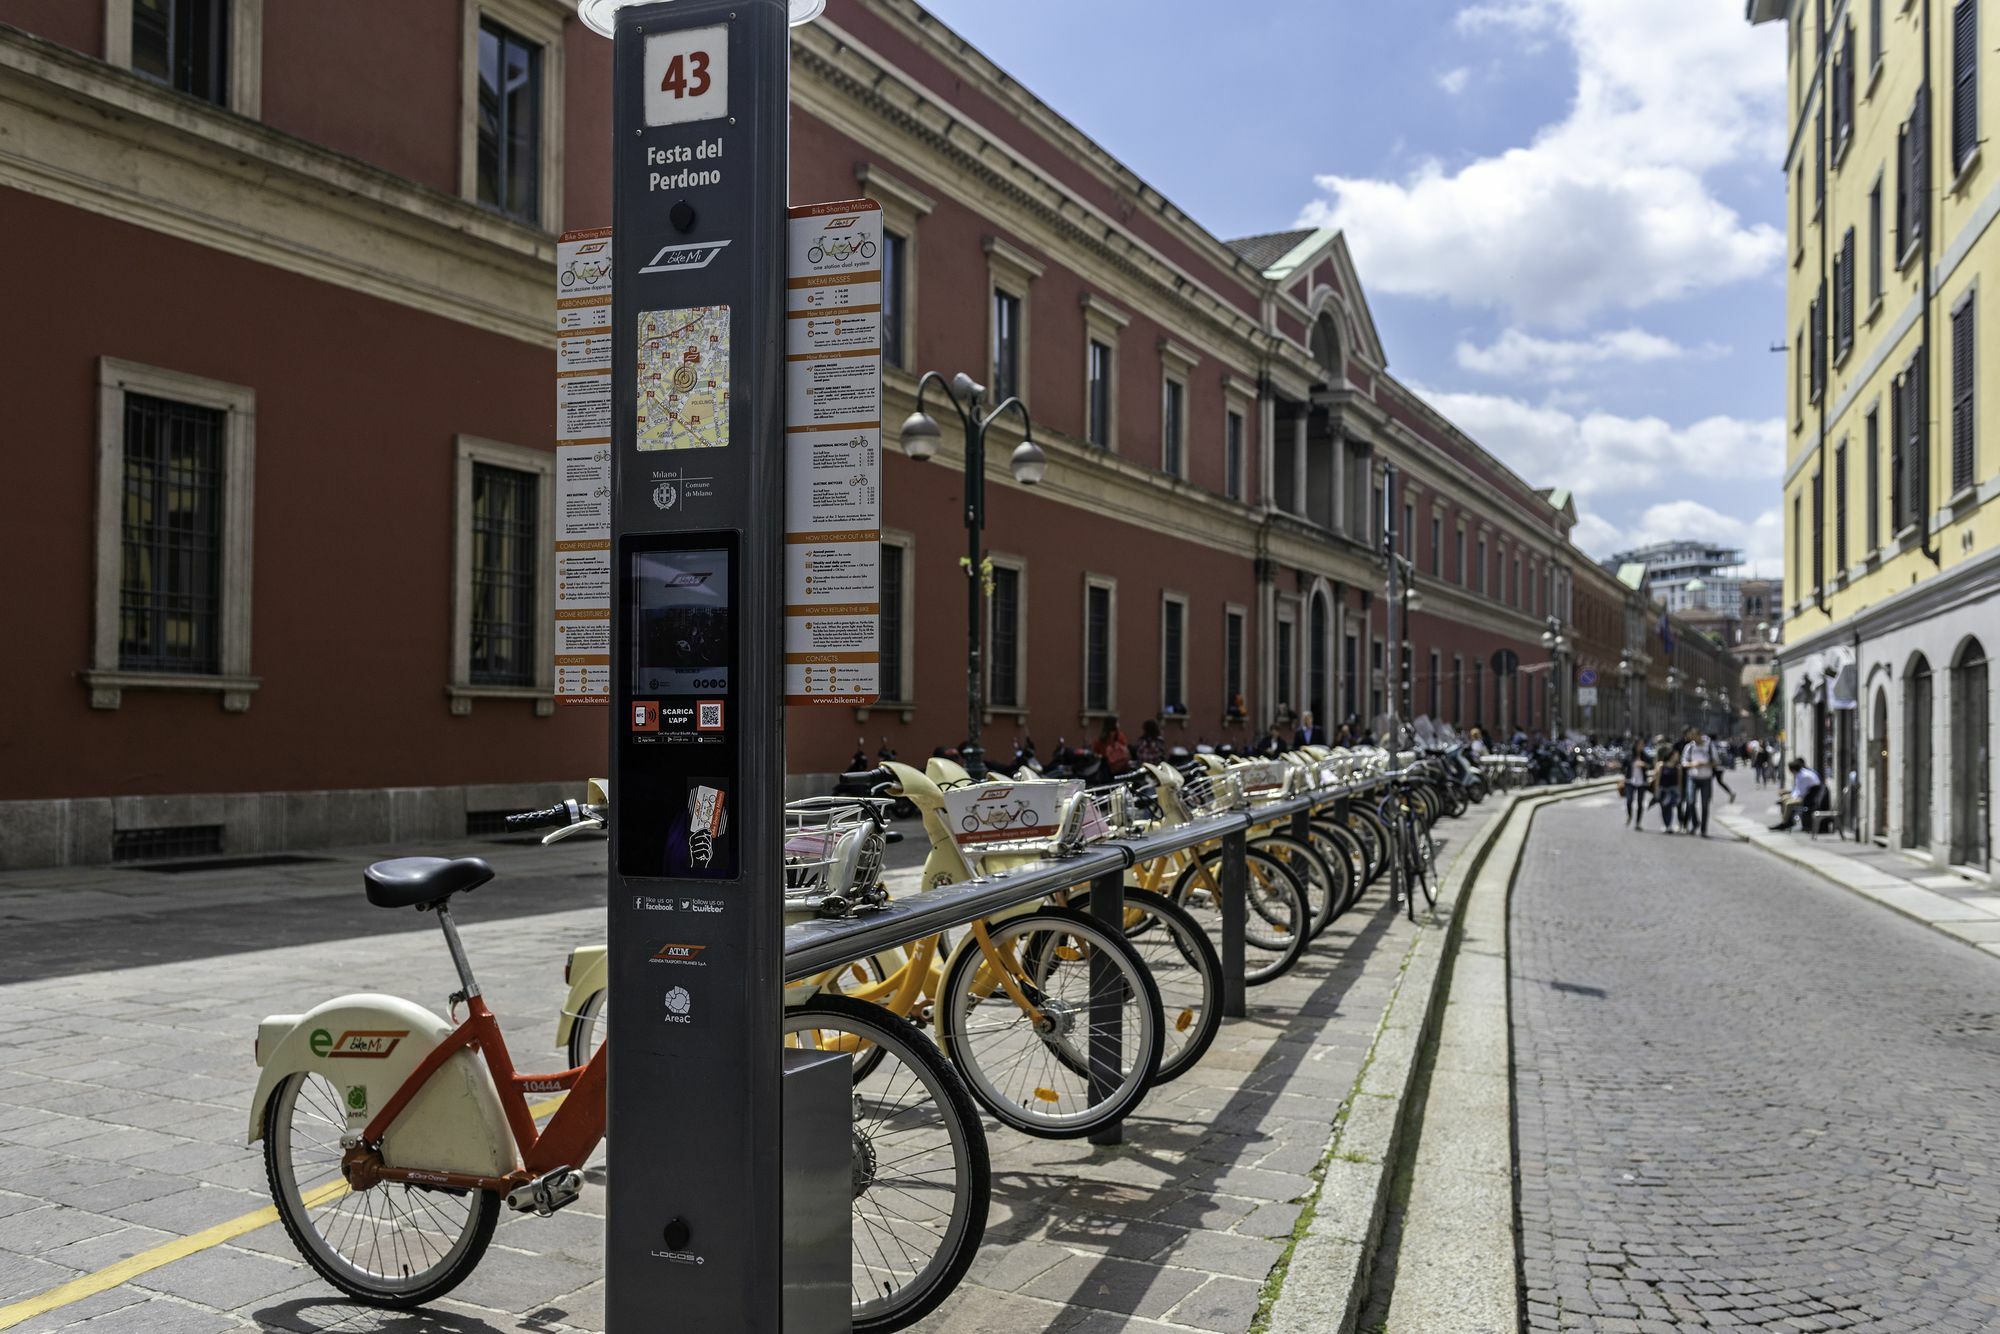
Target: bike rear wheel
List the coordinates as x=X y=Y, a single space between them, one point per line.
x=1037 y=1079
x=922 y=1181
x=394 y=1244
x=590 y=1027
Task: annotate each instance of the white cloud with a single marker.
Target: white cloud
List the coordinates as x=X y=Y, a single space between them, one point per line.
x=1453 y=81
x=1518 y=355
x=1761 y=538
x=1609 y=207
x=1596 y=453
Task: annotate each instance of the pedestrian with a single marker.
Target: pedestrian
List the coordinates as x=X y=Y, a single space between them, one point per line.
x=1478 y=741
x=1636 y=785
x=1667 y=786
x=1727 y=760
x=1808 y=794
x=1151 y=747
x=1308 y=734
x=1112 y=747
x=1698 y=779
x=1271 y=744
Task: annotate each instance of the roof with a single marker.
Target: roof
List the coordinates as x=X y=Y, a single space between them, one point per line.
x=1763 y=11
x=1632 y=574
x=1267 y=249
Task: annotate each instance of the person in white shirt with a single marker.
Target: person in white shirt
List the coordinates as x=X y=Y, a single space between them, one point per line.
x=1638 y=785
x=1807 y=794
x=1698 y=778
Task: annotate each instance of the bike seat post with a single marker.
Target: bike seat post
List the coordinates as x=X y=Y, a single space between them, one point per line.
x=466 y=981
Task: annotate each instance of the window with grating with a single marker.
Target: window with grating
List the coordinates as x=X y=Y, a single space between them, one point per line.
x=890 y=629
x=170 y=582
x=1097 y=649
x=504 y=503
x=1003 y=677
x=144 y=845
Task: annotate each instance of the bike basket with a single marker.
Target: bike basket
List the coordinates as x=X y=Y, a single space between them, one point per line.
x=1096 y=814
x=1008 y=816
x=1213 y=794
x=830 y=848
x=1262 y=780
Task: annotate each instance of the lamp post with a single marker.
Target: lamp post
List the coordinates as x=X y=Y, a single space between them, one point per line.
x=1674 y=698
x=1556 y=641
x=1625 y=691
x=1701 y=705
x=920 y=441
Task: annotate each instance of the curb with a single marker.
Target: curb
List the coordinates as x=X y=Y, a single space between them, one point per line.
x=1323 y=1280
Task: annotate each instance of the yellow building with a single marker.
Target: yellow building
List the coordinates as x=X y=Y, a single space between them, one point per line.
x=1892 y=536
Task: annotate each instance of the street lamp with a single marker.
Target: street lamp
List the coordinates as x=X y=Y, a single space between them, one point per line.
x=1029 y=465
x=1556 y=642
x=1625 y=691
x=1674 y=694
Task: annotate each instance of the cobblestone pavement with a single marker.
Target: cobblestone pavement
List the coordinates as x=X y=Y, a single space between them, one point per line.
x=124 y=1095
x=1743 y=1099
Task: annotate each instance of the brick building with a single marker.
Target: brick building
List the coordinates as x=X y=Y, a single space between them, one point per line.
x=284 y=477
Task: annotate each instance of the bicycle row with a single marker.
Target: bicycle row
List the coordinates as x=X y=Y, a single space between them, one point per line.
x=1067 y=951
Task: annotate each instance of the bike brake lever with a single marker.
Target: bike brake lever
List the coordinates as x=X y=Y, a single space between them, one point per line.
x=558 y=835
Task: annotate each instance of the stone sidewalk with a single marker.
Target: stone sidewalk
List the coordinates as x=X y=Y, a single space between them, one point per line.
x=1957 y=905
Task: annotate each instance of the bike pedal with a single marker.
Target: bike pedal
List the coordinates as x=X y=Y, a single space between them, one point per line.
x=544 y=1195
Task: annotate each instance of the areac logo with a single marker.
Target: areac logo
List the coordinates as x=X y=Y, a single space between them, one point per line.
x=677 y=258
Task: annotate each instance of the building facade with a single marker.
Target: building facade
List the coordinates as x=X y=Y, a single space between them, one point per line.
x=290 y=445
x=1892 y=539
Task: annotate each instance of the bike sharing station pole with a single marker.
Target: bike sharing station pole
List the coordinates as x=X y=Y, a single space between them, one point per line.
x=729 y=1198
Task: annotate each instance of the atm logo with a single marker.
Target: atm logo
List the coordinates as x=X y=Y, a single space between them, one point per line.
x=592 y=248
x=692 y=579
x=367 y=1044
x=675 y=258
x=836 y=224
x=689 y=955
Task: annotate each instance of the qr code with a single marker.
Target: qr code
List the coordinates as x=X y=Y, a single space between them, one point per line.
x=708 y=715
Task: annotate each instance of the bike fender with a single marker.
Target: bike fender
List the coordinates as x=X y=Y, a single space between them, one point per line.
x=366 y=1046
x=589 y=973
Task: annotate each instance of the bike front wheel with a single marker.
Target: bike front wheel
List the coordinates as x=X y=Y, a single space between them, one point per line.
x=1277 y=922
x=1042 y=1076
x=394 y=1244
x=1185 y=967
x=922 y=1181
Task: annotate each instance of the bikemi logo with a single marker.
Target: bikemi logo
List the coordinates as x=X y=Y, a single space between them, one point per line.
x=679 y=258
x=357 y=1044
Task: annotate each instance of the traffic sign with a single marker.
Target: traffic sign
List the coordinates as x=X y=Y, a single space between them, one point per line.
x=1587 y=677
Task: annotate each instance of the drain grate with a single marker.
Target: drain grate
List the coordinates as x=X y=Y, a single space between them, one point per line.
x=145 y=845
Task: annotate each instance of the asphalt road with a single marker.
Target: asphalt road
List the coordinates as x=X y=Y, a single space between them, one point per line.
x=1744 y=1098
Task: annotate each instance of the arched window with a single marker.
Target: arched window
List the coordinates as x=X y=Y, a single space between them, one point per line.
x=1324 y=343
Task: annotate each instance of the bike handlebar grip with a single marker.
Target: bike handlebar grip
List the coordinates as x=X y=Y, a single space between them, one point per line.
x=557 y=814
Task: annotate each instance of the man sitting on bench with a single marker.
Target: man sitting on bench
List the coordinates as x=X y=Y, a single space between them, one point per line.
x=1808 y=794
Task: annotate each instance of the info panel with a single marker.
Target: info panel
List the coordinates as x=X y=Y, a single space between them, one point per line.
x=697 y=677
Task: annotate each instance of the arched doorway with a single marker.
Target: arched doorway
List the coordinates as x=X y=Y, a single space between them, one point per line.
x=1971 y=758
x=1878 y=738
x=1917 y=753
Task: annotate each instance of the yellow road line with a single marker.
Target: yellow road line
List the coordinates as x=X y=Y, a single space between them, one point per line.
x=145 y=1262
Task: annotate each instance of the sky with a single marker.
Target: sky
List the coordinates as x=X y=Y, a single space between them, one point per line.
x=1567 y=215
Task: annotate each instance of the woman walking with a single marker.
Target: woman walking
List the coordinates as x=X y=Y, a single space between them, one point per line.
x=1637 y=785
x=1667 y=785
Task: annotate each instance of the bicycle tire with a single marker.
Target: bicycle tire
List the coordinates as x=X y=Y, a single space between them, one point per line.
x=330 y=1261
x=965 y=1224
x=1276 y=898
x=1075 y=1112
x=1373 y=836
x=593 y=1014
x=1357 y=860
x=1174 y=941
x=1314 y=873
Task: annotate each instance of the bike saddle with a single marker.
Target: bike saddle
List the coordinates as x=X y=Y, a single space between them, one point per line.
x=422 y=882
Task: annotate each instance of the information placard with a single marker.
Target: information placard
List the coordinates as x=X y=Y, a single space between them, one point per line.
x=833 y=453
x=582 y=536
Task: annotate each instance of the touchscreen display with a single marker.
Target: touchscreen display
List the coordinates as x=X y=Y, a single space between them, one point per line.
x=680 y=622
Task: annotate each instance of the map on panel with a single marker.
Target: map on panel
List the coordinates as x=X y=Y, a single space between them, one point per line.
x=684 y=378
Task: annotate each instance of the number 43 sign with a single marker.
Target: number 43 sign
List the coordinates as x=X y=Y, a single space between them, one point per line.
x=687 y=75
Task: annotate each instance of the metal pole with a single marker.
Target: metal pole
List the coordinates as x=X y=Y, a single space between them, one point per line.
x=974 y=754
x=1395 y=655
x=1106 y=1055
x=1235 y=911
